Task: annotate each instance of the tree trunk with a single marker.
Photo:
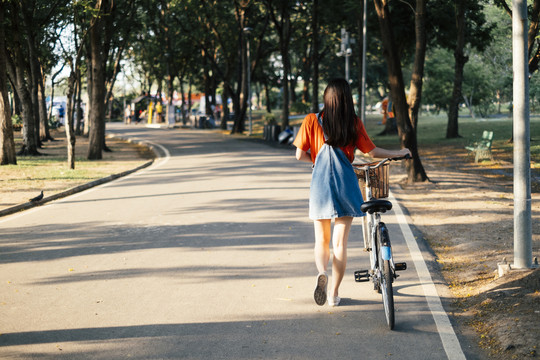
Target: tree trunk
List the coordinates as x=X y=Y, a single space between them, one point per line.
x=44 y=132
x=28 y=131
x=240 y=98
x=97 y=87
x=292 y=83
x=33 y=85
x=78 y=104
x=267 y=96
x=34 y=74
x=207 y=89
x=452 y=130
x=415 y=94
x=239 y=122
x=49 y=114
x=19 y=71
x=7 y=143
x=283 y=27
x=225 y=108
x=70 y=131
x=360 y=34
x=407 y=133
x=315 y=57
x=183 y=109
x=86 y=127
x=284 y=46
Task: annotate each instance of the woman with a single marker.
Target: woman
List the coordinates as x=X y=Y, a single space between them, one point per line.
x=328 y=140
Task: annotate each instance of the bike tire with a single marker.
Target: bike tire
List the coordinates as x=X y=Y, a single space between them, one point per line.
x=386 y=278
x=388 y=294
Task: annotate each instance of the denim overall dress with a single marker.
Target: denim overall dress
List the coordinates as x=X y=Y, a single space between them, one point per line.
x=334 y=190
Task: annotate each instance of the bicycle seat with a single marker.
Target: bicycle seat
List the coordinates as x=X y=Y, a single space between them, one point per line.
x=373 y=206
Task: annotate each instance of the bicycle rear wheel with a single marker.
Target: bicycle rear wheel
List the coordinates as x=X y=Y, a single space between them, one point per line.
x=386 y=277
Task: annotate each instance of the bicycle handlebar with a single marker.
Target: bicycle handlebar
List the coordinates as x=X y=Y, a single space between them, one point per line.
x=383 y=161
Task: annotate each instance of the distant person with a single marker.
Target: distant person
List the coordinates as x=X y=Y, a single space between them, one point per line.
x=328 y=140
x=159 y=112
x=384 y=110
x=127 y=114
x=61 y=113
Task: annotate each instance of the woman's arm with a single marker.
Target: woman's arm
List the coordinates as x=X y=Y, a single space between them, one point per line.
x=383 y=153
x=302 y=155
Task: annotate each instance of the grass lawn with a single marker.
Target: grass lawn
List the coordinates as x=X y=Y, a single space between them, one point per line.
x=50 y=172
x=431 y=134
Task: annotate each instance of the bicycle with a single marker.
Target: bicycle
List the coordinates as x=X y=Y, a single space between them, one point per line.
x=373 y=180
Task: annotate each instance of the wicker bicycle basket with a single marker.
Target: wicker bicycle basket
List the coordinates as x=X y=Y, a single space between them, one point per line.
x=378 y=179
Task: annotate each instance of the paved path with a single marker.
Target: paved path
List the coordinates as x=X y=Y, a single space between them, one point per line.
x=207 y=254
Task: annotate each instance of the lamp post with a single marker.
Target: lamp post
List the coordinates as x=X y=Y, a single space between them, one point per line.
x=522 y=136
x=247 y=31
x=345 y=51
x=363 y=95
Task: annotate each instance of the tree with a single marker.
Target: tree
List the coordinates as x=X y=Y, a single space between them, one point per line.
x=280 y=13
x=471 y=29
x=73 y=60
x=438 y=78
x=99 y=40
x=7 y=144
x=415 y=94
x=315 y=56
x=108 y=32
x=407 y=132
x=18 y=69
x=460 y=60
x=532 y=34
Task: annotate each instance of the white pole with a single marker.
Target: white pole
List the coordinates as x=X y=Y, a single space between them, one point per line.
x=363 y=94
x=249 y=84
x=522 y=176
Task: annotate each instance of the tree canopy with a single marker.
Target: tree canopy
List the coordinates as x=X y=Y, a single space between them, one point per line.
x=185 y=46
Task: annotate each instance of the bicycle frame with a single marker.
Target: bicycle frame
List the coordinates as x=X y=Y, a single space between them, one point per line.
x=370 y=224
x=382 y=271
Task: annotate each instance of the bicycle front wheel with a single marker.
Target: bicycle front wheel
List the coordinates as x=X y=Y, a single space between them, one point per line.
x=386 y=277
x=388 y=294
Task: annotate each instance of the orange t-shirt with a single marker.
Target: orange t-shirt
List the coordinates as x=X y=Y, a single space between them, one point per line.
x=311 y=137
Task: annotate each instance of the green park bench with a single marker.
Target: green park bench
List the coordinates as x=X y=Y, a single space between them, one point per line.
x=482 y=148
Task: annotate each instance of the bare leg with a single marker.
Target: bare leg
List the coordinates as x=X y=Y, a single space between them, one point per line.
x=322 y=244
x=342 y=228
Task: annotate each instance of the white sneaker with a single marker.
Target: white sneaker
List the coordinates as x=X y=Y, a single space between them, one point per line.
x=334 y=300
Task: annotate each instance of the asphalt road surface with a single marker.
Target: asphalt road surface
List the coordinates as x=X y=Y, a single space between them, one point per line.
x=206 y=254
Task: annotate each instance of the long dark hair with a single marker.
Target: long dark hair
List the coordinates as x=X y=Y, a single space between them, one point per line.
x=339 y=118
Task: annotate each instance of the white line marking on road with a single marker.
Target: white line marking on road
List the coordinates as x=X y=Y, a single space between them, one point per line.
x=449 y=339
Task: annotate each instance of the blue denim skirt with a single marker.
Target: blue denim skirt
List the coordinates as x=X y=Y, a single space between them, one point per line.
x=334 y=190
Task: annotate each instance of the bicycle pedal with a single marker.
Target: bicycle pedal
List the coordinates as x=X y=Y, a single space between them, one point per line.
x=401 y=266
x=361 y=275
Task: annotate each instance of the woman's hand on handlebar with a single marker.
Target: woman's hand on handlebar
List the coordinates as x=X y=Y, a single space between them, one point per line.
x=383 y=153
x=406 y=153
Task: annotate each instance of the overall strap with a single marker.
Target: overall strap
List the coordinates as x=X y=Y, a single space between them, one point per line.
x=319 y=119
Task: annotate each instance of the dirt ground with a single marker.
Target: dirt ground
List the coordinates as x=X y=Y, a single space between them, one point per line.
x=465 y=213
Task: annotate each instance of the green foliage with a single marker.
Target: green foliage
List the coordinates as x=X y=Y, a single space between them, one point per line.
x=478 y=89
x=299 y=108
x=441 y=24
x=16 y=120
x=438 y=78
